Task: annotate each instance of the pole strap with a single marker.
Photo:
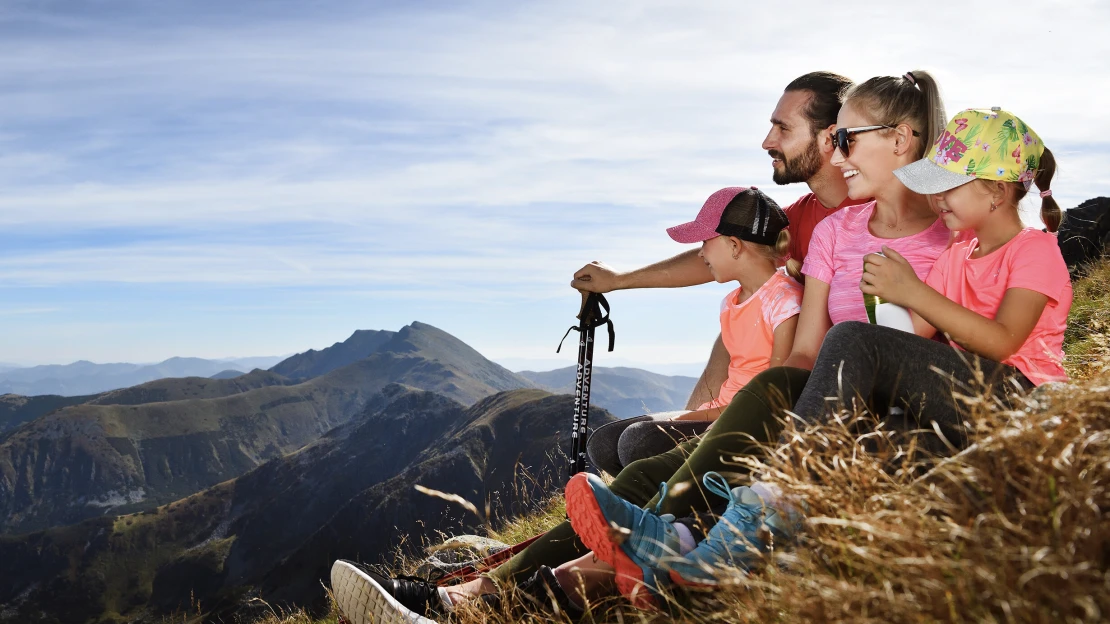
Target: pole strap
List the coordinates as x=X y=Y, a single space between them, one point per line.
x=590 y=317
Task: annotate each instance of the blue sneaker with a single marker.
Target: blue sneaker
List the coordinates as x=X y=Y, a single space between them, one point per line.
x=744 y=533
x=631 y=539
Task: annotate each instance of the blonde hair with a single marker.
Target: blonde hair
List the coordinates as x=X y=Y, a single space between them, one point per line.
x=780 y=251
x=912 y=99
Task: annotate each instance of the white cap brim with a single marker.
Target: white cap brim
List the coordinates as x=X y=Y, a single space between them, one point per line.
x=927 y=178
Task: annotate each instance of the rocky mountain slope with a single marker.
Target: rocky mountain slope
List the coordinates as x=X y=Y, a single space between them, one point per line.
x=313 y=363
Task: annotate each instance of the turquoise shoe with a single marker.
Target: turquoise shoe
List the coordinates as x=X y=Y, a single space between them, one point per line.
x=632 y=540
x=739 y=540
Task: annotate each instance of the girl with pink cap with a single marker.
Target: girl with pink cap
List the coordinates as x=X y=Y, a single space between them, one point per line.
x=744 y=239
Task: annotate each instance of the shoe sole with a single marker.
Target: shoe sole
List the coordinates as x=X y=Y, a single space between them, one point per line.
x=362 y=601
x=592 y=527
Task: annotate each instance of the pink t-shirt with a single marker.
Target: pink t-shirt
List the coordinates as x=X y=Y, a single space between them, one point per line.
x=842 y=240
x=1029 y=260
x=748 y=330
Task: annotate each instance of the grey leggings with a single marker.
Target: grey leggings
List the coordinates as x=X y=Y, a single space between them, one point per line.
x=896 y=369
x=617 y=444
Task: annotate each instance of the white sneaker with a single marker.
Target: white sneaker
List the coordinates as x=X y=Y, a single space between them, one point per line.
x=362 y=599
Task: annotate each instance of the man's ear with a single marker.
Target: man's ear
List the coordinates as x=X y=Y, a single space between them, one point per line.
x=824 y=139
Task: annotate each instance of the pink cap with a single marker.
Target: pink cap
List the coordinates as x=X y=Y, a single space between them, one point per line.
x=704 y=226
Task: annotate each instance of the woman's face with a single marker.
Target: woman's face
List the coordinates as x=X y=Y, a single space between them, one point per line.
x=871 y=161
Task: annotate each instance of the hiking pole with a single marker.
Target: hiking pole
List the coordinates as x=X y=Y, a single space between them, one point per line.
x=590 y=317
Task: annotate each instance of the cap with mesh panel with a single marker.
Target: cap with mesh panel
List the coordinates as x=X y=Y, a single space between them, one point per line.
x=746 y=213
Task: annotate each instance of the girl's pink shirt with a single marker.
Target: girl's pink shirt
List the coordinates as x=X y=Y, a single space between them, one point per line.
x=842 y=240
x=748 y=331
x=1030 y=260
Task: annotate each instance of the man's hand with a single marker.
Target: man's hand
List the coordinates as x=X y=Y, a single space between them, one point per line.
x=596 y=277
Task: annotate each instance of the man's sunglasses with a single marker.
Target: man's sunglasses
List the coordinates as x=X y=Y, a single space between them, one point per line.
x=840 y=137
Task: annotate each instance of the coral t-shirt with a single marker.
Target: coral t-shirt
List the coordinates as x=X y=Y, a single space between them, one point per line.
x=748 y=330
x=804 y=215
x=841 y=241
x=1029 y=260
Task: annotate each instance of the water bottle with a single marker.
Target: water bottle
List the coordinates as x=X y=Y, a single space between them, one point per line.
x=882 y=312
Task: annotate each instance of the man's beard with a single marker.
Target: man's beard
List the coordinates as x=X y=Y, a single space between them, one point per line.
x=798 y=169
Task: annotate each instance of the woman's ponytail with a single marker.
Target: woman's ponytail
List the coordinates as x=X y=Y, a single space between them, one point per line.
x=933 y=116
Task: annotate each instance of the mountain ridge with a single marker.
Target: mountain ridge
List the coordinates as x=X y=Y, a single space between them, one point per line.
x=84 y=460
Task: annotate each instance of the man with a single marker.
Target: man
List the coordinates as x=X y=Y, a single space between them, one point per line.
x=800 y=146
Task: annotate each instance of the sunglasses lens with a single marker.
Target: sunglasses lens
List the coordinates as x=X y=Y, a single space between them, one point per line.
x=841 y=141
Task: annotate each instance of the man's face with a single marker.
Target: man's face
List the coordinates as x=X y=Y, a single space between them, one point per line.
x=791 y=142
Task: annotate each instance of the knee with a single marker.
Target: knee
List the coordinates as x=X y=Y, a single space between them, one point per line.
x=846 y=333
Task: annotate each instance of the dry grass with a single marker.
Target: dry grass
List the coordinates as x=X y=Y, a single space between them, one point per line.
x=1086 y=340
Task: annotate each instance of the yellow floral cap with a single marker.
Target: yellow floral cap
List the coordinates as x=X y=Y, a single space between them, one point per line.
x=990 y=144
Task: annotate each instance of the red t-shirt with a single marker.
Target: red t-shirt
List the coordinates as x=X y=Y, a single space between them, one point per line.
x=804 y=215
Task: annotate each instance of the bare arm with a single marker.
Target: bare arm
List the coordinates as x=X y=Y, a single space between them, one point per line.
x=784 y=341
x=714 y=375
x=685 y=269
x=813 y=324
x=892 y=278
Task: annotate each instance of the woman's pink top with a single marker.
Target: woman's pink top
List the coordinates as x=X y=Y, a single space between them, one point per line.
x=842 y=240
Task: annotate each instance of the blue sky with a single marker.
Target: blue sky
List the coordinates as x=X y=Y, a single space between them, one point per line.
x=229 y=179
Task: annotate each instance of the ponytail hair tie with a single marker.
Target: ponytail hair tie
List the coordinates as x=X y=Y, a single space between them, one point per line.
x=1046 y=193
x=909 y=76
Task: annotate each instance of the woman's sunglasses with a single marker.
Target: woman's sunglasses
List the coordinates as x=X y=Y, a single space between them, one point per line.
x=840 y=137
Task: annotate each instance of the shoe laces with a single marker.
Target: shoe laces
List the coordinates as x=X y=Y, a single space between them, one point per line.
x=747 y=513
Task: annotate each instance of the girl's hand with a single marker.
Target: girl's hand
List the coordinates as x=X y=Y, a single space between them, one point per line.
x=889 y=276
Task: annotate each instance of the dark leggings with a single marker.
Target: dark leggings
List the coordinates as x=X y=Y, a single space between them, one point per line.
x=617 y=444
x=747 y=422
x=895 y=369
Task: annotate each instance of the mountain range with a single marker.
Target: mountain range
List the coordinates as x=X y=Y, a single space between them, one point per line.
x=226 y=490
x=623 y=391
x=142 y=447
x=83 y=377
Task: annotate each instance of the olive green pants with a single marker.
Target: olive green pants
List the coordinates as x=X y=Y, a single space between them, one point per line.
x=750 y=420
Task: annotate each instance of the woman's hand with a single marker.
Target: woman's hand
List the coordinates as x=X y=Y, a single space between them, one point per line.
x=891 y=277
